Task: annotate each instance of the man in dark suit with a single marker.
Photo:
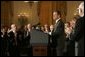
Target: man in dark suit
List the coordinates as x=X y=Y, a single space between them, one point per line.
x=58 y=34
x=78 y=34
x=13 y=41
x=4 y=42
x=27 y=40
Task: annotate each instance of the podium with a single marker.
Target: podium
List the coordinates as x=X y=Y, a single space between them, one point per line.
x=39 y=42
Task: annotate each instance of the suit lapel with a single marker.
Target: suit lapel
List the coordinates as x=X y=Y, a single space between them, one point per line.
x=56 y=25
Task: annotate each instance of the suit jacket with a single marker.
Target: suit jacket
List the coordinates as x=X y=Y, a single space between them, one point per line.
x=12 y=41
x=58 y=35
x=78 y=35
x=4 y=41
x=27 y=38
x=20 y=38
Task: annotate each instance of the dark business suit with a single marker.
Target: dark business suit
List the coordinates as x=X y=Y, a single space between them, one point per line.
x=58 y=37
x=78 y=35
x=27 y=38
x=20 y=38
x=27 y=41
x=4 y=44
x=12 y=44
x=70 y=48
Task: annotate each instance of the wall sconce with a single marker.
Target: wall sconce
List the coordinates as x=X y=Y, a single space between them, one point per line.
x=23 y=14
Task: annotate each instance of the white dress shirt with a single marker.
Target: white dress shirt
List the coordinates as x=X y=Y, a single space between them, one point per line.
x=56 y=24
x=57 y=20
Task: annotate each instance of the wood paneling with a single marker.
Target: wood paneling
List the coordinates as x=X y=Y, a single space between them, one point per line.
x=6 y=13
x=40 y=50
x=46 y=9
x=44 y=12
